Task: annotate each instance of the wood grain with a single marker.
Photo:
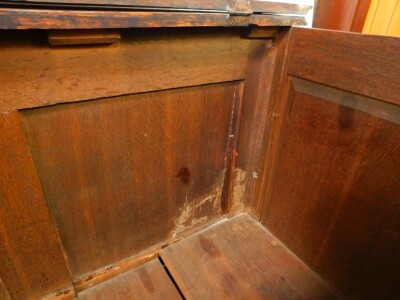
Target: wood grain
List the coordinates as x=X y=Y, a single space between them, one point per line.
x=31 y=261
x=260 y=128
x=332 y=194
x=83 y=37
x=253 y=122
x=239 y=259
x=192 y=5
x=136 y=260
x=121 y=175
x=145 y=60
x=339 y=211
x=276 y=20
x=149 y=281
x=3 y=292
x=23 y=18
x=320 y=55
x=262 y=6
x=177 y=4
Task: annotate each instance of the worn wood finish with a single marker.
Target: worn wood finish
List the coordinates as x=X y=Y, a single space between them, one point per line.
x=253 y=123
x=22 y=18
x=116 y=269
x=276 y=20
x=334 y=185
x=31 y=261
x=79 y=19
x=177 y=4
x=144 y=61
x=320 y=55
x=3 y=292
x=262 y=6
x=149 y=281
x=261 y=32
x=239 y=259
x=83 y=37
x=129 y=263
x=262 y=105
x=121 y=175
x=192 y=5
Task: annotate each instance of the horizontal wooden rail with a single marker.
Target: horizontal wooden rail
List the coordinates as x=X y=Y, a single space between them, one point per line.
x=12 y=18
x=258 y=6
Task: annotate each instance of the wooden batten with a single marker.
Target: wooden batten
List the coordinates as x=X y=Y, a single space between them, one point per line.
x=261 y=32
x=12 y=18
x=83 y=37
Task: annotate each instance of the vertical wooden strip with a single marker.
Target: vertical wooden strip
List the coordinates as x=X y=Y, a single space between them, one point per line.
x=370 y=16
x=31 y=260
x=382 y=17
x=260 y=116
x=394 y=26
x=231 y=154
x=360 y=15
x=253 y=123
x=335 y=14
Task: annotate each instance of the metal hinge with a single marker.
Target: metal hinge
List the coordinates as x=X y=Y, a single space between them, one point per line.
x=240 y=8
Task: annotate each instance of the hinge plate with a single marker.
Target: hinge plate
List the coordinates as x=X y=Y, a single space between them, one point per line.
x=240 y=7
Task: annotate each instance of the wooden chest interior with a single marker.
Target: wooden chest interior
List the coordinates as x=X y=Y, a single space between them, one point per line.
x=111 y=152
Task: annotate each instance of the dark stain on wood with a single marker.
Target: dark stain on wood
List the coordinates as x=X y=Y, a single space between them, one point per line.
x=209 y=247
x=146 y=280
x=248 y=265
x=184 y=175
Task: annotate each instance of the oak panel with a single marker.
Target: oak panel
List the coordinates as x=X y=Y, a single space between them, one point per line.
x=239 y=259
x=335 y=201
x=31 y=260
x=145 y=60
x=149 y=281
x=123 y=174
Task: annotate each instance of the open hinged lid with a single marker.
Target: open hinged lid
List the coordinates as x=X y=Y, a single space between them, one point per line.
x=86 y=14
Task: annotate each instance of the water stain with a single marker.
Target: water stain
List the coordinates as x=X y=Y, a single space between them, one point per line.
x=209 y=247
x=229 y=283
x=146 y=280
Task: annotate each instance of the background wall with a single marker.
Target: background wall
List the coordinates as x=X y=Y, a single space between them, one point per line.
x=343 y=15
x=383 y=18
